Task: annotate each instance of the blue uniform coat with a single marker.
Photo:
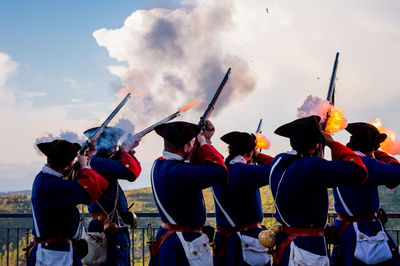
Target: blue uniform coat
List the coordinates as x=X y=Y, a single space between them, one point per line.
x=179 y=188
x=54 y=203
x=118 y=247
x=302 y=198
x=363 y=200
x=241 y=200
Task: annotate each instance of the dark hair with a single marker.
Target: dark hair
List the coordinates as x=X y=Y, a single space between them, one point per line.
x=104 y=152
x=235 y=151
x=362 y=145
x=302 y=147
x=55 y=163
x=168 y=146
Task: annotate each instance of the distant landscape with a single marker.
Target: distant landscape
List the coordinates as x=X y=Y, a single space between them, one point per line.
x=19 y=203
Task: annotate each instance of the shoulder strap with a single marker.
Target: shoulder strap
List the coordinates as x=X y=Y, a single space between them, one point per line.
x=276 y=194
x=34 y=222
x=222 y=209
x=343 y=203
x=170 y=220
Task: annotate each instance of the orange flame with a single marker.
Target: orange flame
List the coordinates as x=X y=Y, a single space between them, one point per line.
x=391 y=144
x=190 y=105
x=336 y=121
x=262 y=142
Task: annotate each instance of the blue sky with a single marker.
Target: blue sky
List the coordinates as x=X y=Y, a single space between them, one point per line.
x=64 y=65
x=53 y=43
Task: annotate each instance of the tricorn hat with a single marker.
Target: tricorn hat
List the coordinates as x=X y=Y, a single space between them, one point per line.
x=305 y=129
x=59 y=152
x=366 y=133
x=244 y=142
x=108 y=138
x=178 y=133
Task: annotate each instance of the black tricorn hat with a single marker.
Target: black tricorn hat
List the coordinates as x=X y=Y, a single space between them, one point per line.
x=366 y=133
x=178 y=133
x=108 y=138
x=305 y=129
x=59 y=152
x=243 y=141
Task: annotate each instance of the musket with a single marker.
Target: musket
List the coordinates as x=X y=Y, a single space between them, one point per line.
x=100 y=129
x=332 y=84
x=207 y=113
x=259 y=129
x=151 y=128
x=130 y=139
x=330 y=97
x=211 y=106
x=93 y=138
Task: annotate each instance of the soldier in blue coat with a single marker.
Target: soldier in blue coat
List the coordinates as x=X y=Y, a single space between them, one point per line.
x=112 y=206
x=357 y=206
x=54 y=199
x=299 y=183
x=238 y=205
x=177 y=188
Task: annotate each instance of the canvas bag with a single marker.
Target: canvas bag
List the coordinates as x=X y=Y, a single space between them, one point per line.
x=298 y=256
x=97 y=248
x=197 y=251
x=369 y=249
x=97 y=241
x=253 y=252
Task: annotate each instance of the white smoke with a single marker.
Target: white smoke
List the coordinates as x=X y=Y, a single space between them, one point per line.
x=314 y=106
x=67 y=135
x=172 y=57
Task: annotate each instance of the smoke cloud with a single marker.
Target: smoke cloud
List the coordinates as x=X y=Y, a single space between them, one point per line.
x=67 y=135
x=126 y=125
x=172 y=57
x=314 y=106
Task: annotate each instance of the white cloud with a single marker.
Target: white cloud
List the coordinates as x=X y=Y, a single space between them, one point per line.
x=287 y=53
x=278 y=58
x=22 y=123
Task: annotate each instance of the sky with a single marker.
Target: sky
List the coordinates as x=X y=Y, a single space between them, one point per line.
x=65 y=65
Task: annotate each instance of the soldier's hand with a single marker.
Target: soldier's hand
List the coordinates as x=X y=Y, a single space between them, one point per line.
x=201 y=138
x=124 y=148
x=91 y=150
x=209 y=131
x=328 y=138
x=82 y=160
x=136 y=142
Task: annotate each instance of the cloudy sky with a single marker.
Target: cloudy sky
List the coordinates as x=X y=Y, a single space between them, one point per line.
x=64 y=65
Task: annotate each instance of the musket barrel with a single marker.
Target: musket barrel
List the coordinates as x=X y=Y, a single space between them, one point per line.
x=211 y=106
x=98 y=132
x=259 y=127
x=331 y=91
x=151 y=128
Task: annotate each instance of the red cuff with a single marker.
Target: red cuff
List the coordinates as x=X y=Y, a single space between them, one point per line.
x=343 y=153
x=385 y=158
x=207 y=153
x=264 y=159
x=94 y=183
x=131 y=163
